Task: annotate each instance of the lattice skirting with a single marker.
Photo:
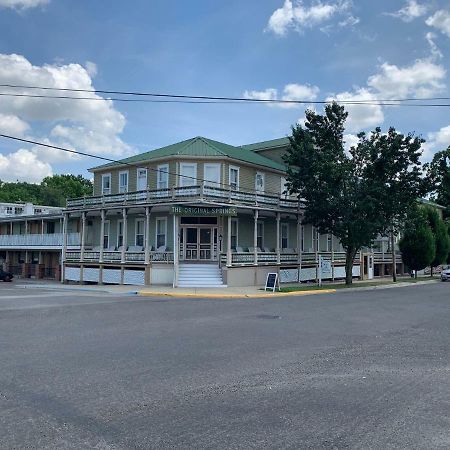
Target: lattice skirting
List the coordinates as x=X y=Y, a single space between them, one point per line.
x=309 y=274
x=111 y=276
x=91 y=274
x=72 y=274
x=134 y=277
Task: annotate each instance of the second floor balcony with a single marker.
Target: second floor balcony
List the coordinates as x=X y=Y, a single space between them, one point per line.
x=197 y=193
x=30 y=241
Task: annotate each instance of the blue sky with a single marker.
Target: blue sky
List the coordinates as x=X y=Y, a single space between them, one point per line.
x=309 y=50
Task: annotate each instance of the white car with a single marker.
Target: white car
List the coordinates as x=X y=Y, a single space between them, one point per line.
x=445 y=274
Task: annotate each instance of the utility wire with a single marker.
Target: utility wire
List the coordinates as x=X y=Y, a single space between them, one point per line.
x=381 y=102
x=104 y=158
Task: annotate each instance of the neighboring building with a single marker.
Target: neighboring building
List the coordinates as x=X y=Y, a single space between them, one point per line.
x=31 y=240
x=200 y=212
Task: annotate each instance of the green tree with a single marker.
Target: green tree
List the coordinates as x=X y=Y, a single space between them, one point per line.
x=357 y=195
x=67 y=186
x=438 y=174
x=417 y=245
x=441 y=238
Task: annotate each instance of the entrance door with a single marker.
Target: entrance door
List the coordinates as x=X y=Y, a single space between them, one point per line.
x=198 y=244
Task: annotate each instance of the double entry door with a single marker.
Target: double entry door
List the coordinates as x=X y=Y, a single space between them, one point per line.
x=198 y=243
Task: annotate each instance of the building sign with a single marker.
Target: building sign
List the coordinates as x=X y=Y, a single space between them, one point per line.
x=203 y=211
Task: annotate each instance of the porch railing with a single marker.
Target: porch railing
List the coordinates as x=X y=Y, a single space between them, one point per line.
x=183 y=193
x=116 y=257
x=38 y=240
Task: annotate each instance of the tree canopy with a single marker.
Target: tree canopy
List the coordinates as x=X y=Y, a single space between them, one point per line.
x=355 y=195
x=441 y=238
x=53 y=191
x=438 y=174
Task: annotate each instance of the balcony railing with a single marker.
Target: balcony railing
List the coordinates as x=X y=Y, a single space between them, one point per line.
x=184 y=193
x=39 y=240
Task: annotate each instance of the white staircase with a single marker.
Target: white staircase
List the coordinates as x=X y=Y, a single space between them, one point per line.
x=200 y=275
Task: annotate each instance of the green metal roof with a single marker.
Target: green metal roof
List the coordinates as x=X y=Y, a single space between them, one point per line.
x=264 y=145
x=201 y=147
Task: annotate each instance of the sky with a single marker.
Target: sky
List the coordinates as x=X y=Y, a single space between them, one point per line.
x=276 y=49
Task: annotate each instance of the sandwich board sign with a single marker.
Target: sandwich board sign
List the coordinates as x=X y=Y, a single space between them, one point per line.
x=271 y=281
x=325 y=269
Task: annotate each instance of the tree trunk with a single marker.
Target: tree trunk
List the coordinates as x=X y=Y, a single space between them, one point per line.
x=431 y=272
x=349 y=257
x=394 y=262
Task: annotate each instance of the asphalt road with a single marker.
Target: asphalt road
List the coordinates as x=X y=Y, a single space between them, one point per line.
x=348 y=370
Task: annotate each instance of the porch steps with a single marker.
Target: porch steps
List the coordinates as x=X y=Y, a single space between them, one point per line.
x=200 y=275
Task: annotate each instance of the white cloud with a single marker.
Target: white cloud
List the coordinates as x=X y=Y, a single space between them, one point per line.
x=412 y=10
x=298 y=17
x=435 y=142
x=22 y=4
x=10 y=124
x=350 y=140
x=423 y=78
x=360 y=116
x=435 y=51
x=23 y=165
x=291 y=92
x=441 y=21
x=91 y=68
x=89 y=126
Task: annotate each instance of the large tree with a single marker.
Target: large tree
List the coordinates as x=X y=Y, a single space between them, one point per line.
x=417 y=245
x=438 y=174
x=441 y=238
x=355 y=195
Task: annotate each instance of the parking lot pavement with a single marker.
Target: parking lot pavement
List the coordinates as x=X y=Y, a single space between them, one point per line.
x=348 y=370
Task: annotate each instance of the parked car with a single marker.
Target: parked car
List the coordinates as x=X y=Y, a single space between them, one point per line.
x=445 y=274
x=6 y=276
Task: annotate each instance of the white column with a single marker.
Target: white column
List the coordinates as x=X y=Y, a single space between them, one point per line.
x=175 y=251
x=64 y=246
x=26 y=227
x=42 y=226
x=83 y=234
x=125 y=234
x=147 y=235
x=255 y=238
x=229 y=242
x=278 y=238
x=102 y=234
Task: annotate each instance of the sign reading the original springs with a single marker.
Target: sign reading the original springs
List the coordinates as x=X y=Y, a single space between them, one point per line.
x=203 y=211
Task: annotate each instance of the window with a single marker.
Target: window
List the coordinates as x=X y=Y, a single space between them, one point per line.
x=234 y=233
x=162 y=177
x=106 y=183
x=260 y=234
x=140 y=232
x=141 y=179
x=284 y=189
x=329 y=242
x=259 y=182
x=284 y=235
x=50 y=227
x=315 y=239
x=9 y=210
x=161 y=232
x=18 y=210
x=212 y=175
x=123 y=181
x=37 y=210
x=106 y=234
x=119 y=233
x=188 y=174
x=234 y=178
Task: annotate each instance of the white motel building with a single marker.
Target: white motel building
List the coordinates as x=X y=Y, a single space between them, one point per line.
x=195 y=213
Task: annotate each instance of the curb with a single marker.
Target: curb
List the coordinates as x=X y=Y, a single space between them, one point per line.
x=193 y=295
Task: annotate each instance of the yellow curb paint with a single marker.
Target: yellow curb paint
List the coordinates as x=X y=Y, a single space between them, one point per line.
x=275 y=294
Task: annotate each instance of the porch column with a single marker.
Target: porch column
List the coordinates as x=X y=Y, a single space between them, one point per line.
x=278 y=238
x=299 y=245
x=176 y=249
x=42 y=226
x=147 y=236
x=102 y=234
x=26 y=227
x=332 y=257
x=83 y=235
x=255 y=238
x=64 y=246
x=229 y=241
x=124 y=235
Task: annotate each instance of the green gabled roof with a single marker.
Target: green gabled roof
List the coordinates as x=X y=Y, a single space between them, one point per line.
x=201 y=147
x=264 y=145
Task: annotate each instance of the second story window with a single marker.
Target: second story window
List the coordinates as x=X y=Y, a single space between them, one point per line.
x=188 y=174
x=259 y=182
x=141 y=179
x=123 y=181
x=9 y=210
x=234 y=178
x=106 y=184
x=162 y=177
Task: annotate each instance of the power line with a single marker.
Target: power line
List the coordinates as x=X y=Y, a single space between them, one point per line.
x=104 y=158
x=211 y=99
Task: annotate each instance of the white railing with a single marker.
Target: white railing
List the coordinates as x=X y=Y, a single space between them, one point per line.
x=116 y=256
x=197 y=192
x=38 y=240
